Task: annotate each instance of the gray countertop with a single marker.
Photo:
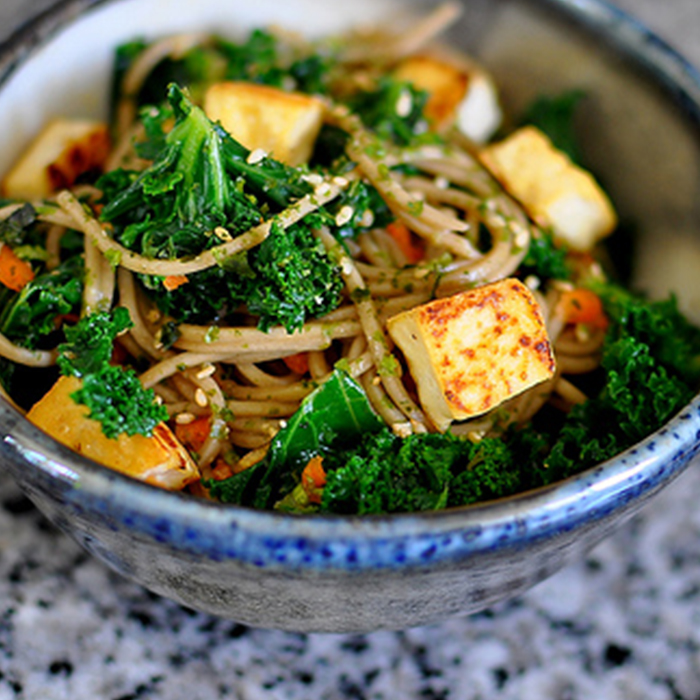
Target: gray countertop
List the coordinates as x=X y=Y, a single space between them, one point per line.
x=623 y=623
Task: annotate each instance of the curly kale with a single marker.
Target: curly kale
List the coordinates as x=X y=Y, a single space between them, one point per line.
x=394 y=110
x=201 y=187
x=115 y=396
x=259 y=58
x=651 y=366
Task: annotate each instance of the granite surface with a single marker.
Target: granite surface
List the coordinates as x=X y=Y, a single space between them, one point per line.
x=622 y=624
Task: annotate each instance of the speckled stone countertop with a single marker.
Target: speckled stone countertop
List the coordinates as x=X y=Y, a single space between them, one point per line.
x=623 y=624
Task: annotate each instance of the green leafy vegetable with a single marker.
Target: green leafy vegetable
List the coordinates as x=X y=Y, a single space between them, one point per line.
x=651 y=363
x=554 y=115
x=545 y=259
x=394 y=111
x=200 y=187
x=30 y=317
x=334 y=414
x=115 y=396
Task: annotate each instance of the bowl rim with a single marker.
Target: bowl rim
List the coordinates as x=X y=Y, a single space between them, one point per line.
x=639 y=469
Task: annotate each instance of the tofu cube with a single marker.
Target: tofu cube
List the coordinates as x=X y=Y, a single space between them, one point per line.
x=63 y=151
x=459 y=95
x=283 y=124
x=160 y=459
x=470 y=352
x=555 y=192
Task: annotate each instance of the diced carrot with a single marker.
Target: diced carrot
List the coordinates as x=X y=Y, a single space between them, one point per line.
x=406 y=241
x=582 y=306
x=195 y=433
x=313 y=479
x=221 y=470
x=298 y=363
x=15 y=273
x=172 y=282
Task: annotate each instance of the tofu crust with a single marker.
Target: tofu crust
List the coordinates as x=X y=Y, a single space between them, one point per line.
x=160 y=459
x=63 y=151
x=470 y=352
x=283 y=124
x=555 y=192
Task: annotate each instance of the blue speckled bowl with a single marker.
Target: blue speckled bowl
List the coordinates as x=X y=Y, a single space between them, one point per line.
x=346 y=574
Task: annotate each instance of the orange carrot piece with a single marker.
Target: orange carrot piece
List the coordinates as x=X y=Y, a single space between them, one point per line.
x=221 y=470
x=172 y=282
x=406 y=241
x=313 y=479
x=195 y=433
x=299 y=363
x=582 y=306
x=15 y=273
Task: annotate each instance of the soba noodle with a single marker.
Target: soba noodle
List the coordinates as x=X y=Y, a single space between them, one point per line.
x=234 y=374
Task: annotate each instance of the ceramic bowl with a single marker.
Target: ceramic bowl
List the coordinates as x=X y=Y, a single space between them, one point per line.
x=344 y=574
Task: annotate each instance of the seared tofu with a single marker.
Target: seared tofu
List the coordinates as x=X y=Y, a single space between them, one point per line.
x=282 y=124
x=160 y=459
x=63 y=151
x=470 y=352
x=458 y=95
x=556 y=193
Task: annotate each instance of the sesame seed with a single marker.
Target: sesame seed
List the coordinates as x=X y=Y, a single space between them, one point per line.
x=323 y=190
x=340 y=181
x=367 y=218
x=222 y=234
x=442 y=183
x=404 y=104
x=207 y=370
x=184 y=418
x=255 y=156
x=200 y=398
x=532 y=282
x=312 y=178
x=344 y=215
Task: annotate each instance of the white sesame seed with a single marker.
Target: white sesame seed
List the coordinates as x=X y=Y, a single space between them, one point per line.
x=532 y=282
x=184 y=418
x=323 y=190
x=367 y=218
x=344 y=215
x=200 y=398
x=222 y=234
x=340 y=181
x=404 y=104
x=521 y=238
x=255 y=156
x=442 y=183
x=207 y=370
x=312 y=178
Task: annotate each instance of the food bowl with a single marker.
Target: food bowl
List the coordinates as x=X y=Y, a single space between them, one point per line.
x=342 y=574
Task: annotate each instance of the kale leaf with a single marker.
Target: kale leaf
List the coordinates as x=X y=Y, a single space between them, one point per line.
x=200 y=182
x=545 y=259
x=651 y=363
x=554 y=116
x=394 y=111
x=115 y=396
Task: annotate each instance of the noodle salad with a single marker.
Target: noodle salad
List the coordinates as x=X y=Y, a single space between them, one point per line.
x=327 y=276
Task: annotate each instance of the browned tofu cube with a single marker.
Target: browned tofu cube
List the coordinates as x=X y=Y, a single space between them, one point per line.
x=555 y=192
x=63 y=151
x=457 y=94
x=282 y=124
x=160 y=459
x=470 y=352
